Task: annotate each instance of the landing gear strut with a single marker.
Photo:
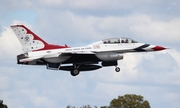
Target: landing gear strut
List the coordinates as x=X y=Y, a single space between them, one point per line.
x=117 y=69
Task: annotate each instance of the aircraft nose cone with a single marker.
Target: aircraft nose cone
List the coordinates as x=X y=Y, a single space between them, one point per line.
x=158 y=48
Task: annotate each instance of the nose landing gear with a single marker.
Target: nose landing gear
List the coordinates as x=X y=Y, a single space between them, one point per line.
x=117 y=69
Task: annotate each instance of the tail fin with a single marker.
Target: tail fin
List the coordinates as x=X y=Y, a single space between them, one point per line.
x=30 y=41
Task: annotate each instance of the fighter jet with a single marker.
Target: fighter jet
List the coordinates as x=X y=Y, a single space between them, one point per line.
x=76 y=59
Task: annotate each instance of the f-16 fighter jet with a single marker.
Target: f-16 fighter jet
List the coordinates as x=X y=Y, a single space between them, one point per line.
x=76 y=59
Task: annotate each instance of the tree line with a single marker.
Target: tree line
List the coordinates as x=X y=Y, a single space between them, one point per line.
x=126 y=101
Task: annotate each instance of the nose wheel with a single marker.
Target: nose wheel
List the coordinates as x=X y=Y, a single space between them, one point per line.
x=117 y=69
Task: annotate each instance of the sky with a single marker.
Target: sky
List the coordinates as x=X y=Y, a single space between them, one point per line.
x=155 y=75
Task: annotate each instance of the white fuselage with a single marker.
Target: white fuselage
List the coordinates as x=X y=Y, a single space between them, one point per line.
x=105 y=52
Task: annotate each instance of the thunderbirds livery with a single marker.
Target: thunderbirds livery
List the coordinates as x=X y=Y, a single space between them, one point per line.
x=76 y=59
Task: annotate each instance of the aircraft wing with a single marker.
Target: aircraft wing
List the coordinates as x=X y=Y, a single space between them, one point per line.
x=76 y=56
x=80 y=57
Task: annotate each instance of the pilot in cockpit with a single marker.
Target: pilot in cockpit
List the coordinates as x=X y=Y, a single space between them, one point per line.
x=122 y=41
x=105 y=42
x=126 y=41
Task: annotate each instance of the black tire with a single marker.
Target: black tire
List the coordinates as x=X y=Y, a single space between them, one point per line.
x=117 y=69
x=74 y=72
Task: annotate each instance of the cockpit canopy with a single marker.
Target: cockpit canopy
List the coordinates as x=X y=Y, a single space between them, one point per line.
x=118 y=40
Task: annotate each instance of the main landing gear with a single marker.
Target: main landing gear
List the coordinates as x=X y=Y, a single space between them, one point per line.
x=117 y=69
x=75 y=71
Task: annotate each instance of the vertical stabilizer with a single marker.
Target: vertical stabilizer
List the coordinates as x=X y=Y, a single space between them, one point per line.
x=30 y=41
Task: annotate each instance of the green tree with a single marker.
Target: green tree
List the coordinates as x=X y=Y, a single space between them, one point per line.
x=2 y=105
x=128 y=101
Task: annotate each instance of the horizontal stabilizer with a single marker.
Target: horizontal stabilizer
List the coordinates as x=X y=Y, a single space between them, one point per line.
x=30 y=59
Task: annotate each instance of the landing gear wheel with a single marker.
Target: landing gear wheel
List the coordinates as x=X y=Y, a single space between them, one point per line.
x=74 y=72
x=117 y=69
